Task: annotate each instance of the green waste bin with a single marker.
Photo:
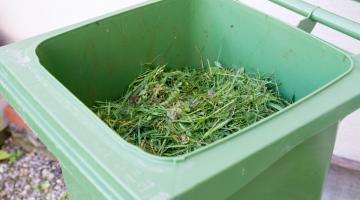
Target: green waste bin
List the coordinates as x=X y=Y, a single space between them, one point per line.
x=53 y=79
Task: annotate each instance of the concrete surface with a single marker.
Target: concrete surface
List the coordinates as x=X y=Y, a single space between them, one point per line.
x=343 y=181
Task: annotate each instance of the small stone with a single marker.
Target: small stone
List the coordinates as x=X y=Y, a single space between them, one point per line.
x=44 y=173
x=30 y=177
x=57 y=187
x=50 y=176
x=27 y=187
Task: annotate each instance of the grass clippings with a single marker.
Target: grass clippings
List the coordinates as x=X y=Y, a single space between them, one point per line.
x=170 y=112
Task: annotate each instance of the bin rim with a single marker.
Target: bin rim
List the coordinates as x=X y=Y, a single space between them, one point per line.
x=53 y=34
x=186 y=156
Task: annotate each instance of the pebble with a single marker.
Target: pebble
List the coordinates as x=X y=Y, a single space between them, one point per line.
x=22 y=179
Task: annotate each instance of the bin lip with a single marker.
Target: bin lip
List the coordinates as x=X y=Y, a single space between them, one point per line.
x=33 y=43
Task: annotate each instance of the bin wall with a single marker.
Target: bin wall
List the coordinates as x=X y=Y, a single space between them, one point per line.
x=234 y=35
x=77 y=186
x=98 y=61
x=299 y=175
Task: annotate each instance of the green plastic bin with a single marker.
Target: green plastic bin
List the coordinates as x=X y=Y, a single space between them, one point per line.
x=52 y=79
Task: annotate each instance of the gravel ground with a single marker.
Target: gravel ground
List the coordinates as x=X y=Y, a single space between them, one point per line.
x=33 y=176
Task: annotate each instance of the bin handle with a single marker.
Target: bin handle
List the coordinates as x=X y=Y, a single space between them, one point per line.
x=322 y=16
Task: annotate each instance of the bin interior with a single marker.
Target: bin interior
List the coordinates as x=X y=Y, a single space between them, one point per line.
x=98 y=61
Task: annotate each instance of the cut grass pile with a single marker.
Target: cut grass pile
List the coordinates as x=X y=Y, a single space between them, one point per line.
x=170 y=112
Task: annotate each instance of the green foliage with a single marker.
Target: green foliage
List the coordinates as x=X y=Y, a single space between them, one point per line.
x=11 y=157
x=15 y=156
x=172 y=112
x=64 y=196
x=4 y=155
x=44 y=186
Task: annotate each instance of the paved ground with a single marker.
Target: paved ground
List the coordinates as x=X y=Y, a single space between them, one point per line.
x=342 y=184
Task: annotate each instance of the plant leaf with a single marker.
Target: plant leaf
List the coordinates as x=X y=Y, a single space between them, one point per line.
x=4 y=155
